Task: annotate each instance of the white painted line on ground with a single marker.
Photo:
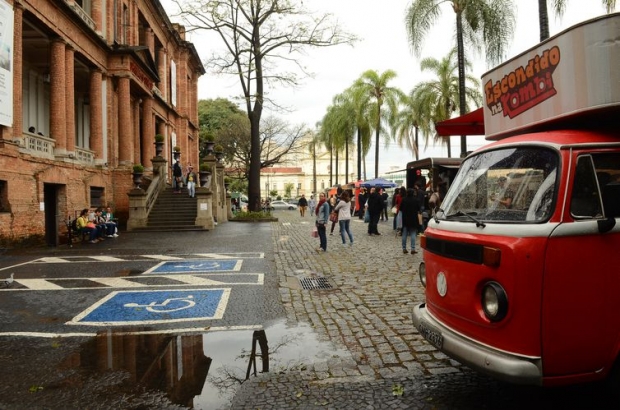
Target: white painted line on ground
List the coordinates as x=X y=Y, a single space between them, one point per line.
x=163 y=257
x=107 y=259
x=196 y=280
x=38 y=284
x=117 y=282
x=53 y=260
x=215 y=255
x=180 y=331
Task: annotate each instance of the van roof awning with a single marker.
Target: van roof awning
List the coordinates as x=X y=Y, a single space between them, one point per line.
x=471 y=123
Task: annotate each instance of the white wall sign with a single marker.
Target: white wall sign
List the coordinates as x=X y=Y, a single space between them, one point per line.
x=6 y=64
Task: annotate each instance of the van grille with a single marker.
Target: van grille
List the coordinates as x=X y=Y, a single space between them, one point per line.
x=455 y=250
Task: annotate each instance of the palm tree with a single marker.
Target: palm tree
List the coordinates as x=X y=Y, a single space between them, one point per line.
x=435 y=100
x=375 y=92
x=488 y=23
x=407 y=126
x=559 y=6
x=356 y=99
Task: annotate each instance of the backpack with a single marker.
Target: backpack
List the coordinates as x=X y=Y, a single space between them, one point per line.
x=74 y=225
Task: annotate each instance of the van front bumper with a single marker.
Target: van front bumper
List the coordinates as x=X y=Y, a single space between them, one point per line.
x=499 y=364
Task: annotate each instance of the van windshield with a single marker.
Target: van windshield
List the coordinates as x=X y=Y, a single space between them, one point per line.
x=504 y=185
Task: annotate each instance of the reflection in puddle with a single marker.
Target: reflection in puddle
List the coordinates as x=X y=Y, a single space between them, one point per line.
x=177 y=365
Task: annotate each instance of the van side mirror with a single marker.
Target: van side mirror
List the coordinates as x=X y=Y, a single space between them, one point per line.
x=606 y=225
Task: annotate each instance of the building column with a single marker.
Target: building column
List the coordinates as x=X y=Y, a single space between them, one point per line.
x=96 y=115
x=162 y=63
x=58 y=106
x=137 y=143
x=148 y=136
x=18 y=64
x=97 y=15
x=70 y=98
x=125 y=129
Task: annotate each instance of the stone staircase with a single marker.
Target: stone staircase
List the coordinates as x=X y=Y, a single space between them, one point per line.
x=172 y=212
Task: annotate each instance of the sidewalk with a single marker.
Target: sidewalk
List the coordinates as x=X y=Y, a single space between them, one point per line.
x=367 y=312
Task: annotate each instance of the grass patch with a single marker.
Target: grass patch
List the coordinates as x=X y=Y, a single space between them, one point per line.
x=253 y=216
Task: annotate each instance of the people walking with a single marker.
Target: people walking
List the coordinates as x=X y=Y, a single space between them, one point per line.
x=384 y=210
x=344 y=217
x=362 y=197
x=374 y=205
x=333 y=201
x=322 y=216
x=177 y=177
x=190 y=177
x=303 y=205
x=312 y=204
x=410 y=211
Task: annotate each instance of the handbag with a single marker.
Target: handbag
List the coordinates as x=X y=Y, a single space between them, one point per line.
x=394 y=209
x=333 y=217
x=315 y=232
x=366 y=216
x=91 y=225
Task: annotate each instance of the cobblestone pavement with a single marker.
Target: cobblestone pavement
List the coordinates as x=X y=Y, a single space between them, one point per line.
x=367 y=311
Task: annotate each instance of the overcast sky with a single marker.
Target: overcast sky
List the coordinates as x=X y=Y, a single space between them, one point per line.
x=383 y=46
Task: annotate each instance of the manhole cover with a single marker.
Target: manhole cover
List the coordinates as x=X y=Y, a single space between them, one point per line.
x=315 y=283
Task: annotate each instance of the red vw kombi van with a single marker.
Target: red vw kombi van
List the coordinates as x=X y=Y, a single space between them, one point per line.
x=521 y=264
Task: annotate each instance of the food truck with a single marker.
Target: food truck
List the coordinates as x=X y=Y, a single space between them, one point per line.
x=521 y=264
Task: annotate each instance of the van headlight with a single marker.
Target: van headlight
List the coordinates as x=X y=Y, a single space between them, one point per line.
x=494 y=301
x=422 y=273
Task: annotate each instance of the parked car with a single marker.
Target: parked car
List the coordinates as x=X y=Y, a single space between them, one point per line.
x=282 y=205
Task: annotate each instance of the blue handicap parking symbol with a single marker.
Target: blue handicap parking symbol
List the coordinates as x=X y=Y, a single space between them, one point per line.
x=197 y=265
x=148 y=307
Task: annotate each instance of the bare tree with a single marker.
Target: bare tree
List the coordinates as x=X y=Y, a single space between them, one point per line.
x=278 y=141
x=263 y=41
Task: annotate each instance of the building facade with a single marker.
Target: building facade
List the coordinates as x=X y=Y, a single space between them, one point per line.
x=93 y=81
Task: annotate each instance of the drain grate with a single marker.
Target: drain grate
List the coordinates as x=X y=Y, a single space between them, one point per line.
x=315 y=283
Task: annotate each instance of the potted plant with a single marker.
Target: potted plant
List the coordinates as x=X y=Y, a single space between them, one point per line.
x=177 y=152
x=159 y=144
x=138 y=170
x=209 y=143
x=218 y=150
x=205 y=174
x=227 y=182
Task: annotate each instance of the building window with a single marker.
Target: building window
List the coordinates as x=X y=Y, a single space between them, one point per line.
x=4 y=197
x=96 y=197
x=36 y=102
x=82 y=122
x=275 y=186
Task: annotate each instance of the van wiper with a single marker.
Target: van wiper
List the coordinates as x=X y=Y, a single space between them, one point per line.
x=470 y=215
x=436 y=212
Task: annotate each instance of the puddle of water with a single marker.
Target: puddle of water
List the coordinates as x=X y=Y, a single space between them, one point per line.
x=290 y=348
x=201 y=371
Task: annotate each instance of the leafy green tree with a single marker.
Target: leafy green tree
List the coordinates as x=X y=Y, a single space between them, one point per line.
x=381 y=103
x=273 y=193
x=354 y=101
x=435 y=100
x=216 y=116
x=288 y=188
x=487 y=24
x=559 y=7
x=262 y=40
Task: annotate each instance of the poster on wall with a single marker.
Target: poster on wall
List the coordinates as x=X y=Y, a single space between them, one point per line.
x=6 y=64
x=173 y=82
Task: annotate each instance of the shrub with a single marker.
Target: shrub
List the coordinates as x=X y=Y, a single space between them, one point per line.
x=159 y=138
x=218 y=148
x=205 y=167
x=138 y=168
x=177 y=148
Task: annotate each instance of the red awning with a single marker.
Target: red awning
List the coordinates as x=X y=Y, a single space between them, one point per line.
x=469 y=124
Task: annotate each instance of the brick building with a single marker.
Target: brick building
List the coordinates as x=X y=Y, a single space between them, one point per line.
x=92 y=82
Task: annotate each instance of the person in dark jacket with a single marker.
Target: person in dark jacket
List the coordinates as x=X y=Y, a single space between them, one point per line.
x=410 y=209
x=303 y=205
x=375 y=205
x=363 y=197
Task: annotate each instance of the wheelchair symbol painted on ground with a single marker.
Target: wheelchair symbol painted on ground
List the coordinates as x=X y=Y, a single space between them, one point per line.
x=151 y=307
x=185 y=303
x=196 y=266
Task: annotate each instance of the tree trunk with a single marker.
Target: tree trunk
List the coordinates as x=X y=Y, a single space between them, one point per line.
x=543 y=19
x=377 y=141
x=336 y=168
x=346 y=162
x=254 y=177
x=331 y=165
x=417 y=144
x=461 y=65
x=359 y=154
